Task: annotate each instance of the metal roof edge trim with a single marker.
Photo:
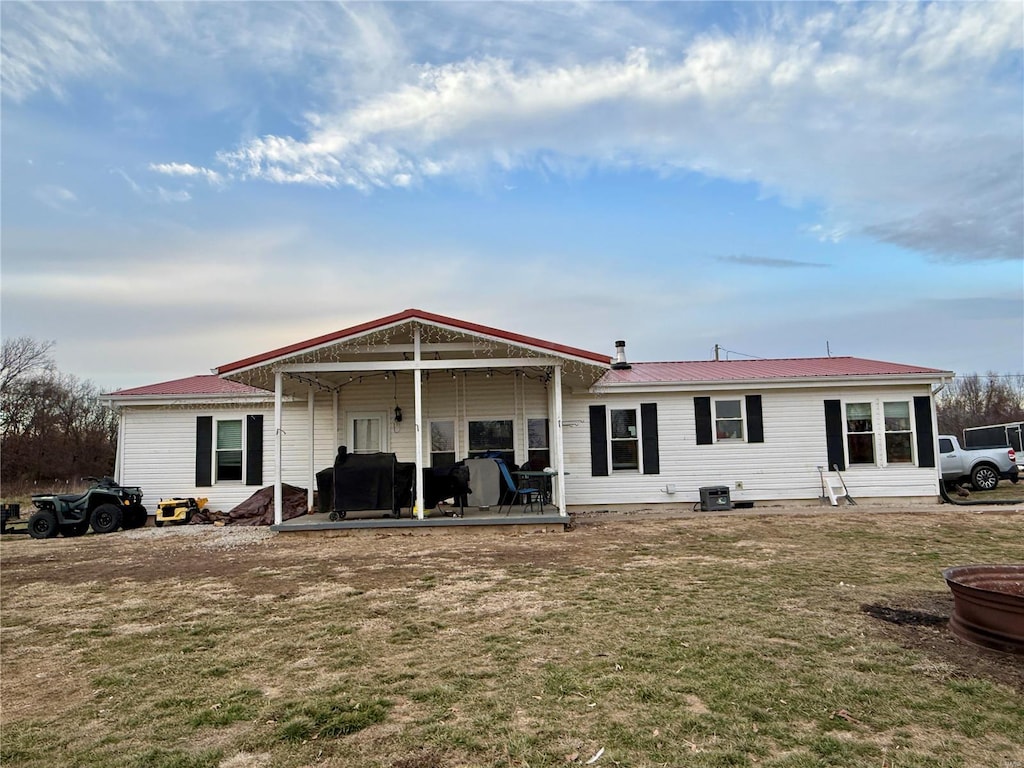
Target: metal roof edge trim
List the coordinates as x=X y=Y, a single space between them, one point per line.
x=193 y=399
x=807 y=381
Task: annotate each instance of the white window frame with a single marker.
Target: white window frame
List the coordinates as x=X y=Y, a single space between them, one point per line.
x=455 y=437
x=547 y=437
x=742 y=419
x=874 y=433
x=879 y=432
x=638 y=439
x=350 y=421
x=217 y=421
x=470 y=449
x=912 y=431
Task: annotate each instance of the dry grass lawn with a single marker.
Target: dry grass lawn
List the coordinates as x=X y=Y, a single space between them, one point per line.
x=743 y=640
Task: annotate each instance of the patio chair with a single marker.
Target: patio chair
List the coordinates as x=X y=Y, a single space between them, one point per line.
x=513 y=489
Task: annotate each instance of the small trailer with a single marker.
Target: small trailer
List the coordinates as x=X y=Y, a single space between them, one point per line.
x=995 y=435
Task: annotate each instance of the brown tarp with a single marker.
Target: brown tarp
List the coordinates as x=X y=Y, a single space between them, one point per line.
x=258 y=509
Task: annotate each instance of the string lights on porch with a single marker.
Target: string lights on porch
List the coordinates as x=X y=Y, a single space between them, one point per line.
x=378 y=342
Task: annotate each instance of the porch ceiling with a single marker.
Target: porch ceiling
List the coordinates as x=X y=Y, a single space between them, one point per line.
x=334 y=365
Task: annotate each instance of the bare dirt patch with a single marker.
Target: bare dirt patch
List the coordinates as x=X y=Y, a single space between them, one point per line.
x=921 y=623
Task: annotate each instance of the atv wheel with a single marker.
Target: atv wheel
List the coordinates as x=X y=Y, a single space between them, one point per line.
x=106 y=518
x=74 y=529
x=42 y=525
x=158 y=523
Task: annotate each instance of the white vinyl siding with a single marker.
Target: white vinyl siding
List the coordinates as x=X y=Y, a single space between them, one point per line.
x=158 y=452
x=784 y=467
x=159 y=442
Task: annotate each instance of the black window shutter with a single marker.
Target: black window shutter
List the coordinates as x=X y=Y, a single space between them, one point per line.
x=925 y=433
x=755 y=420
x=702 y=413
x=649 y=427
x=598 y=441
x=834 y=434
x=254 y=450
x=204 y=451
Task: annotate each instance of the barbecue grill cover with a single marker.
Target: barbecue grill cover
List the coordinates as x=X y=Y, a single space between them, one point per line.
x=364 y=481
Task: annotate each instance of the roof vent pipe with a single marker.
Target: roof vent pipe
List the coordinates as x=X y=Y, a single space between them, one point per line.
x=620 y=363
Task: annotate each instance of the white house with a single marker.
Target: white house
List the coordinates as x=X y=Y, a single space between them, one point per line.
x=434 y=390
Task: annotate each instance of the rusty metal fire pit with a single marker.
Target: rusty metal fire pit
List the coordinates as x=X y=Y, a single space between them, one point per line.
x=988 y=605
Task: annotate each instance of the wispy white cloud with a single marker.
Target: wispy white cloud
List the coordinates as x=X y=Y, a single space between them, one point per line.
x=900 y=120
x=187 y=170
x=56 y=197
x=173 y=195
x=58 y=43
x=767 y=261
x=157 y=194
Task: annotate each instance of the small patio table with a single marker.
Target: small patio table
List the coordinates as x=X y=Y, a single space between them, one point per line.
x=543 y=479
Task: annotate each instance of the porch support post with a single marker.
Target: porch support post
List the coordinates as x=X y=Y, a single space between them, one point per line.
x=119 y=453
x=560 y=477
x=278 y=490
x=312 y=450
x=418 y=404
x=334 y=443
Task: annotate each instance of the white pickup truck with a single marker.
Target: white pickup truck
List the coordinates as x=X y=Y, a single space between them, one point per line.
x=983 y=467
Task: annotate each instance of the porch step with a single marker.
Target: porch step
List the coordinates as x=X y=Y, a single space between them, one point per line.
x=304 y=523
x=833 y=488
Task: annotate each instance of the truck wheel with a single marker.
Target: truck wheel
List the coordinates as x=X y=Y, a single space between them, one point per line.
x=984 y=478
x=106 y=518
x=43 y=525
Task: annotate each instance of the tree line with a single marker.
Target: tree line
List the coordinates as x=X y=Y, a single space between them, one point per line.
x=57 y=429
x=976 y=401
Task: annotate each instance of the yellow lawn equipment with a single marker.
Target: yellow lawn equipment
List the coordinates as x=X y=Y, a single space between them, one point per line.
x=178 y=511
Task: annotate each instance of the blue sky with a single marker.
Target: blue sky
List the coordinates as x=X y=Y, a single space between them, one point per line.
x=184 y=185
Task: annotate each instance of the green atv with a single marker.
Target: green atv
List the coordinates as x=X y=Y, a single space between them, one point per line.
x=106 y=506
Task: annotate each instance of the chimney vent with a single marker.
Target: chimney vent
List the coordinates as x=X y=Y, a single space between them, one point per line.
x=620 y=363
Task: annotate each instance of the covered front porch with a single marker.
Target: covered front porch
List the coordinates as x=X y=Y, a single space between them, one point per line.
x=431 y=390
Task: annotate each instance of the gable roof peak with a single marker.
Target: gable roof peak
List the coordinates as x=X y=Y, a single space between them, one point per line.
x=406 y=316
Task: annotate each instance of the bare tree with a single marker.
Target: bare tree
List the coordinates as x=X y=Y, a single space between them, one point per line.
x=23 y=358
x=54 y=426
x=975 y=401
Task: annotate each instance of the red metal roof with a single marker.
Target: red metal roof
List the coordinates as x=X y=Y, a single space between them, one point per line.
x=207 y=384
x=744 y=370
x=412 y=314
